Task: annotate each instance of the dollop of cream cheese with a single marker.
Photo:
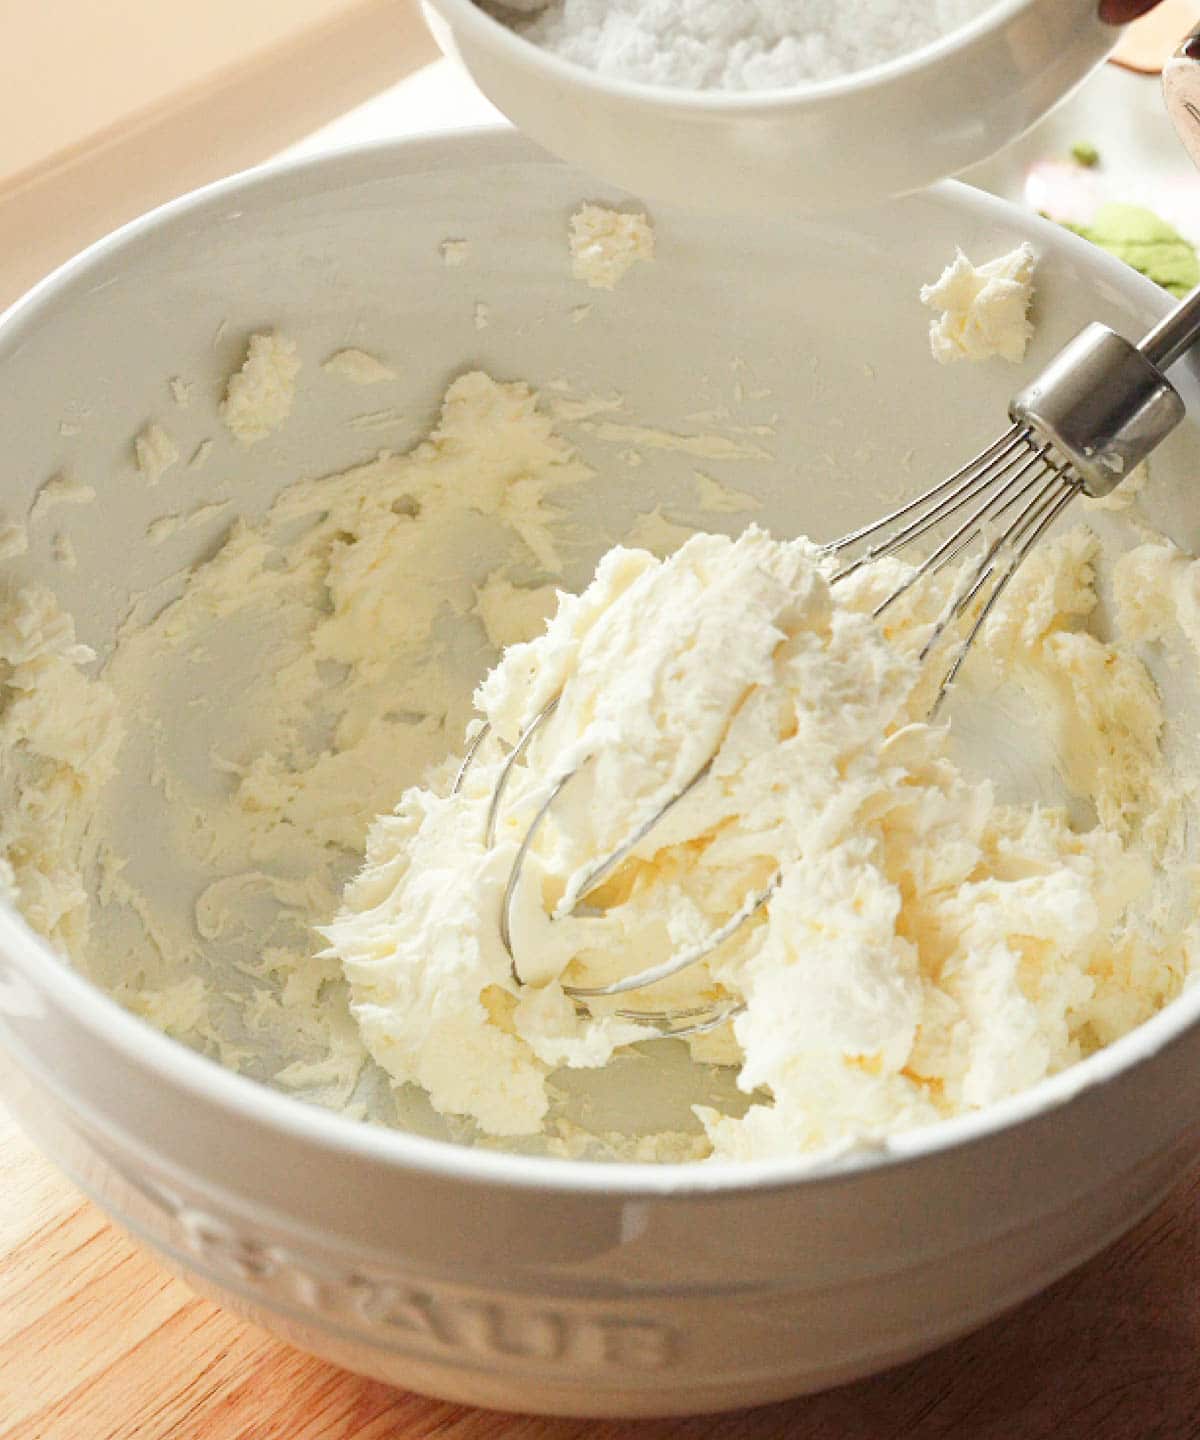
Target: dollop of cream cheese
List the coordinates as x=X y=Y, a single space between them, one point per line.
x=984 y=309
x=924 y=950
x=605 y=244
x=258 y=398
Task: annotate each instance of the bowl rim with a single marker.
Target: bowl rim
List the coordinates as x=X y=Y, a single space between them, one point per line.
x=207 y=1081
x=517 y=50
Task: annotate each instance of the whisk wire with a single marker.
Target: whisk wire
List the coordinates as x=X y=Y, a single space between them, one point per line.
x=685 y=958
x=1045 y=486
x=993 y=506
x=953 y=492
x=676 y=1024
x=518 y=865
x=604 y=868
x=469 y=756
x=1051 y=506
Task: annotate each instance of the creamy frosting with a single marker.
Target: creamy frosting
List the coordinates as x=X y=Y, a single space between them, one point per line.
x=183 y=822
x=605 y=244
x=925 y=951
x=258 y=398
x=984 y=308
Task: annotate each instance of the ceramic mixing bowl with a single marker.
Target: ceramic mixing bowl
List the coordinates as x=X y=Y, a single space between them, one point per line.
x=841 y=143
x=525 y=1283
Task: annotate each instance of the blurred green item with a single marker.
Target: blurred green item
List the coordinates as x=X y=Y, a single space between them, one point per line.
x=1144 y=240
x=1085 y=154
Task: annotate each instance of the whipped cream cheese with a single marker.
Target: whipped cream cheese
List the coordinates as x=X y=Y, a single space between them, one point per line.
x=605 y=244
x=155 y=452
x=183 y=821
x=358 y=367
x=984 y=308
x=925 y=949
x=14 y=539
x=59 y=737
x=258 y=398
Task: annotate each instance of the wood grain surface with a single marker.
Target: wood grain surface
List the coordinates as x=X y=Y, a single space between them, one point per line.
x=96 y=1343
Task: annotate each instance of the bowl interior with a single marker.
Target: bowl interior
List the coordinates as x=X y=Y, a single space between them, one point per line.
x=786 y=360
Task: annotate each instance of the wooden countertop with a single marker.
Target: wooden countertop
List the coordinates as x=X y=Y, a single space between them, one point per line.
x=96 y=1343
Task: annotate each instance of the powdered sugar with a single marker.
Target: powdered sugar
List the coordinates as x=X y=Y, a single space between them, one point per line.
x=734 y=44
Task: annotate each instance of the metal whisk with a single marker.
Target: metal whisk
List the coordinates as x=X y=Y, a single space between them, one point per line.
x=1097 y=411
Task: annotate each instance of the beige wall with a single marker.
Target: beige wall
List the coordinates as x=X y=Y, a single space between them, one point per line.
x=108 y=107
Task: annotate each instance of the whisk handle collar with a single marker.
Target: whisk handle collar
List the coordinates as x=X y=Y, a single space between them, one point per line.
x=1103 y=404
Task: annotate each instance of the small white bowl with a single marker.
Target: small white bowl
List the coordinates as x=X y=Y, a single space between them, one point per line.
x=497 y=1279
x=888 y=130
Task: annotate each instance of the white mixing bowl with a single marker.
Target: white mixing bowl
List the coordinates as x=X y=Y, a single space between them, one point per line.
x=532 y=1284
x=841 y=143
